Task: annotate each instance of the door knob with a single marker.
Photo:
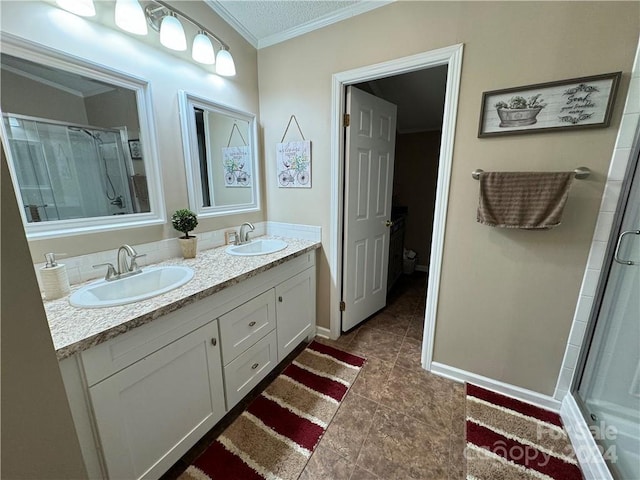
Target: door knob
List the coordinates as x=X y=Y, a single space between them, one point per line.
x=388 y=223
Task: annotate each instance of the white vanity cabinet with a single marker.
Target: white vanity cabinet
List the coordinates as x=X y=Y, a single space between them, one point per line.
x=144 y=412
x=142 y=399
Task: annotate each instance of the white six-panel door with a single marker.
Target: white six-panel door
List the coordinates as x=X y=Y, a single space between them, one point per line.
x=369 y=157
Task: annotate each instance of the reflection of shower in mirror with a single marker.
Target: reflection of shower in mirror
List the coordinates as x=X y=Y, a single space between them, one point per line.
x=110 y=190
x=70 y=171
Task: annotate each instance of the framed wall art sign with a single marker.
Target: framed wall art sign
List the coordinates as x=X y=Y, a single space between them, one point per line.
x=293 y=160
x=294 y=164
x=585 y=102
x=236 y=163
x=135 y=150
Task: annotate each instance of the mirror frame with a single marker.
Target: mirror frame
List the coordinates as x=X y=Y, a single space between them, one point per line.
x=35 y=52
x=187 y=102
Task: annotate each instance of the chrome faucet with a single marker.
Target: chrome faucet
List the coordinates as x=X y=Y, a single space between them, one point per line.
x=131 y=266
x=243 y=236
x=125 y=268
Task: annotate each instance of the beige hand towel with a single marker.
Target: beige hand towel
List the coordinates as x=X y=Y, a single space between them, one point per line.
x=528 y=200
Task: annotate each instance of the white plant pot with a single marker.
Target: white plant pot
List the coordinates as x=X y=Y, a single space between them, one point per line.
x=189 y=246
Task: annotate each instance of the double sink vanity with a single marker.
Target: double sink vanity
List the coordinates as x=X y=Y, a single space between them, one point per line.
x=147 y=379
x=150 y=360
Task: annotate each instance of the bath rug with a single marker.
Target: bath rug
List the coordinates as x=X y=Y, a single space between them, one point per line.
x=509 y=439
x=277 y=433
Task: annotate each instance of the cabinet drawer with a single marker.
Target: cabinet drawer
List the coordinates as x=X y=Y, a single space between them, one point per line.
x=246 y=371
x=246 y=324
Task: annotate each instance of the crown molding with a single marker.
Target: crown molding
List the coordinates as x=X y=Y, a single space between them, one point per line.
x=320 y=22
x=218 y=7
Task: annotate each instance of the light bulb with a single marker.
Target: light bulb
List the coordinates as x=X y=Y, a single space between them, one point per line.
x=225 y=65
x=202 y=50
x=130 y=17
x=84 y=8
x=172 y=34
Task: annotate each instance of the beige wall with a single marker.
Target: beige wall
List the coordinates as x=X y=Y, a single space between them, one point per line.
x=27 y=97
x=115 y=108
x=38 y=437
x=507 y=297
x=100 y=41
x=414 y=185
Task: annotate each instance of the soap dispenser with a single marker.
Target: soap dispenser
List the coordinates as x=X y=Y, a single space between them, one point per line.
x=55 y=282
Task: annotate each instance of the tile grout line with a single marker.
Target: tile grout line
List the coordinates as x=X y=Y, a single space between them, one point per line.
x=366 y=437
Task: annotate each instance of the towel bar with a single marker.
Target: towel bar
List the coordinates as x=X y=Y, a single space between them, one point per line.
x=580 y=173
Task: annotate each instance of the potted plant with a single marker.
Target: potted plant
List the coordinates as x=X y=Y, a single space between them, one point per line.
x=184 y=221
x=519 y=111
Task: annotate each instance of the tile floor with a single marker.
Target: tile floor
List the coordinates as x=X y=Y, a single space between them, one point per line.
x=398 y=422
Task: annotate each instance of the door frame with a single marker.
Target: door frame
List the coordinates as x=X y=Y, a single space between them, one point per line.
x=452 y=57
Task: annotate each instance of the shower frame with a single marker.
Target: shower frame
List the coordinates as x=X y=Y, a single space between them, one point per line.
x=120 y=132
x=590 y=342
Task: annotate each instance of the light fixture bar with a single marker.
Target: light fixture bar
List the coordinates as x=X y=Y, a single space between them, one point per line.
x=153 y=9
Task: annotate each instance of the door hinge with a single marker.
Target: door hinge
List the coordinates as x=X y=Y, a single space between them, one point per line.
x=343 y=306
x=347 y=119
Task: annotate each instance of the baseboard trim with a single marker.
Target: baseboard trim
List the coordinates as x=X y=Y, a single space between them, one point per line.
x=323 y=332
x=519 y=393
x=589 y=457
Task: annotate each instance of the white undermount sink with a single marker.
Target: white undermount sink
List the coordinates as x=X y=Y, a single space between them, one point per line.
x=151 y=282
x=259 y=246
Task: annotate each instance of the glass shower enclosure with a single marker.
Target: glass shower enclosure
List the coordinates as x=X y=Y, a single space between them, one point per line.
x=608 y=390
x=69 y=171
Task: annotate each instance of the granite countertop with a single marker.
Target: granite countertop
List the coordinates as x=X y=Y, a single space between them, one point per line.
x=76 y=329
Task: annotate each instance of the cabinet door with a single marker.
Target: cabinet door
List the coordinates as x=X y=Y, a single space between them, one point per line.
x=295 y=310
x=149 y=414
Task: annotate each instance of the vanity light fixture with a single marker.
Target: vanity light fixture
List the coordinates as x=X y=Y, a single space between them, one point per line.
x=172 y=33
x=202 y=50
x=163 y=18
x=83 y=8
x=158 y=11
x=130 y=17
x=225 y=65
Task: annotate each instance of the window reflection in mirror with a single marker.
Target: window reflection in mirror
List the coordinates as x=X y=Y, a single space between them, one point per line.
x=219 y=145
x=74 y=145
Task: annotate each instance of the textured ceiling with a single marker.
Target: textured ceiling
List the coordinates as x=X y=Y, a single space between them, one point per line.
x=266 y=22
x=264 y=18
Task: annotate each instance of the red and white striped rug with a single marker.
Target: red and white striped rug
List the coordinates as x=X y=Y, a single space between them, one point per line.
x=509 y=439
x=277 y=433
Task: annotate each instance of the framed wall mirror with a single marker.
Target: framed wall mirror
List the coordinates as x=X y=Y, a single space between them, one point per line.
x=221 y=157
x=79 y=143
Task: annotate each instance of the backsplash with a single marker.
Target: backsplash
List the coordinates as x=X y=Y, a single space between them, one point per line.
x=80 y=268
